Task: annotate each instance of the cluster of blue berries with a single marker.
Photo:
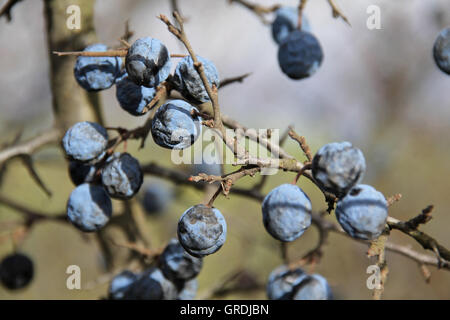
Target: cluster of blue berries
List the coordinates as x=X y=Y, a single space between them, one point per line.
x=147 y=66
x=337 y=168
x=16 y=271
x=174 y=277
x=98 y=176
x=299 y=53
x=176 y=124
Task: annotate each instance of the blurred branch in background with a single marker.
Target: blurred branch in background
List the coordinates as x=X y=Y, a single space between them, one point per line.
x=259 y=10
x=7 y=7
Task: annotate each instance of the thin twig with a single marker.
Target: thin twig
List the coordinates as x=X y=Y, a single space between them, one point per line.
x=30 y=146
x=259 y=10
x=228 y=81
x=6 y=9
x=337 y=13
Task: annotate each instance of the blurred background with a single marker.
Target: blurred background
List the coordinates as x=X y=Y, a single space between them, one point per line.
x=379 y=89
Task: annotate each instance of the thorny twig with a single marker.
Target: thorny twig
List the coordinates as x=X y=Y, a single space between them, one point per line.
x=228 y=81
x=235 y=281
x=32 y=145
x=259 y=10
x=336 y=12
x=7 y=7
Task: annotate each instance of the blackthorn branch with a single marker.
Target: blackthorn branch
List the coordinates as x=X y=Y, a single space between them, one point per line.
x=374 y=234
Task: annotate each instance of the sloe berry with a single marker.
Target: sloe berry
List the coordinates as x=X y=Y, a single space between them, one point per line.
x=132 y=97
x=441 y=50
x=177 y=264
x=338 y=166
x=81 y=172
x=89 y=207
x=300 y=55
x=362 y=213
x=285 y=22
x=148 y=62
x=120 y=285
x=152 y=285
x=174 y=126
x=188 y=81
x=282 y=281
x=16 y=271
x=189 y=290
x=122 y=176
x=97 y=73
x=313 y=287
x=85 y=141
x=202 y=230
x=286 y=212
x=156 y=197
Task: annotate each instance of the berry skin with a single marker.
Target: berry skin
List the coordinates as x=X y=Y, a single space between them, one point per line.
x=148 y=62
x=120 y=284
x=314 y=287
x=202 y=230
x=300 y=55
x=189 y=290
x=16 y=271
x=132 y=97
x=85 y=141
x=177 y=264
x=188 y=81
x=338 y=166
x=122 y=176
x=441 y=50
x=286 y=212
x=174 y=127
x=81 y=172
x=362 y=213
x=282 y=281
x=89 y=207
x=156 y=198
x=285 y=22
x=97 y=73
x=152 y=285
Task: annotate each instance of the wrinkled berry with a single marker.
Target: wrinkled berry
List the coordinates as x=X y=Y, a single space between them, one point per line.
x=202 y=230
x=174 y=126
x=362 y=213
x=148 y=62
x=97 y=73
x=89 y=207
x=188 y=81
x=177 y=264
x=122 y=176
x=338 y=166
x=85 y=141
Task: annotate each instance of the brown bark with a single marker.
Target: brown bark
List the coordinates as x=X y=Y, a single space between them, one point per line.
x=70 y=102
